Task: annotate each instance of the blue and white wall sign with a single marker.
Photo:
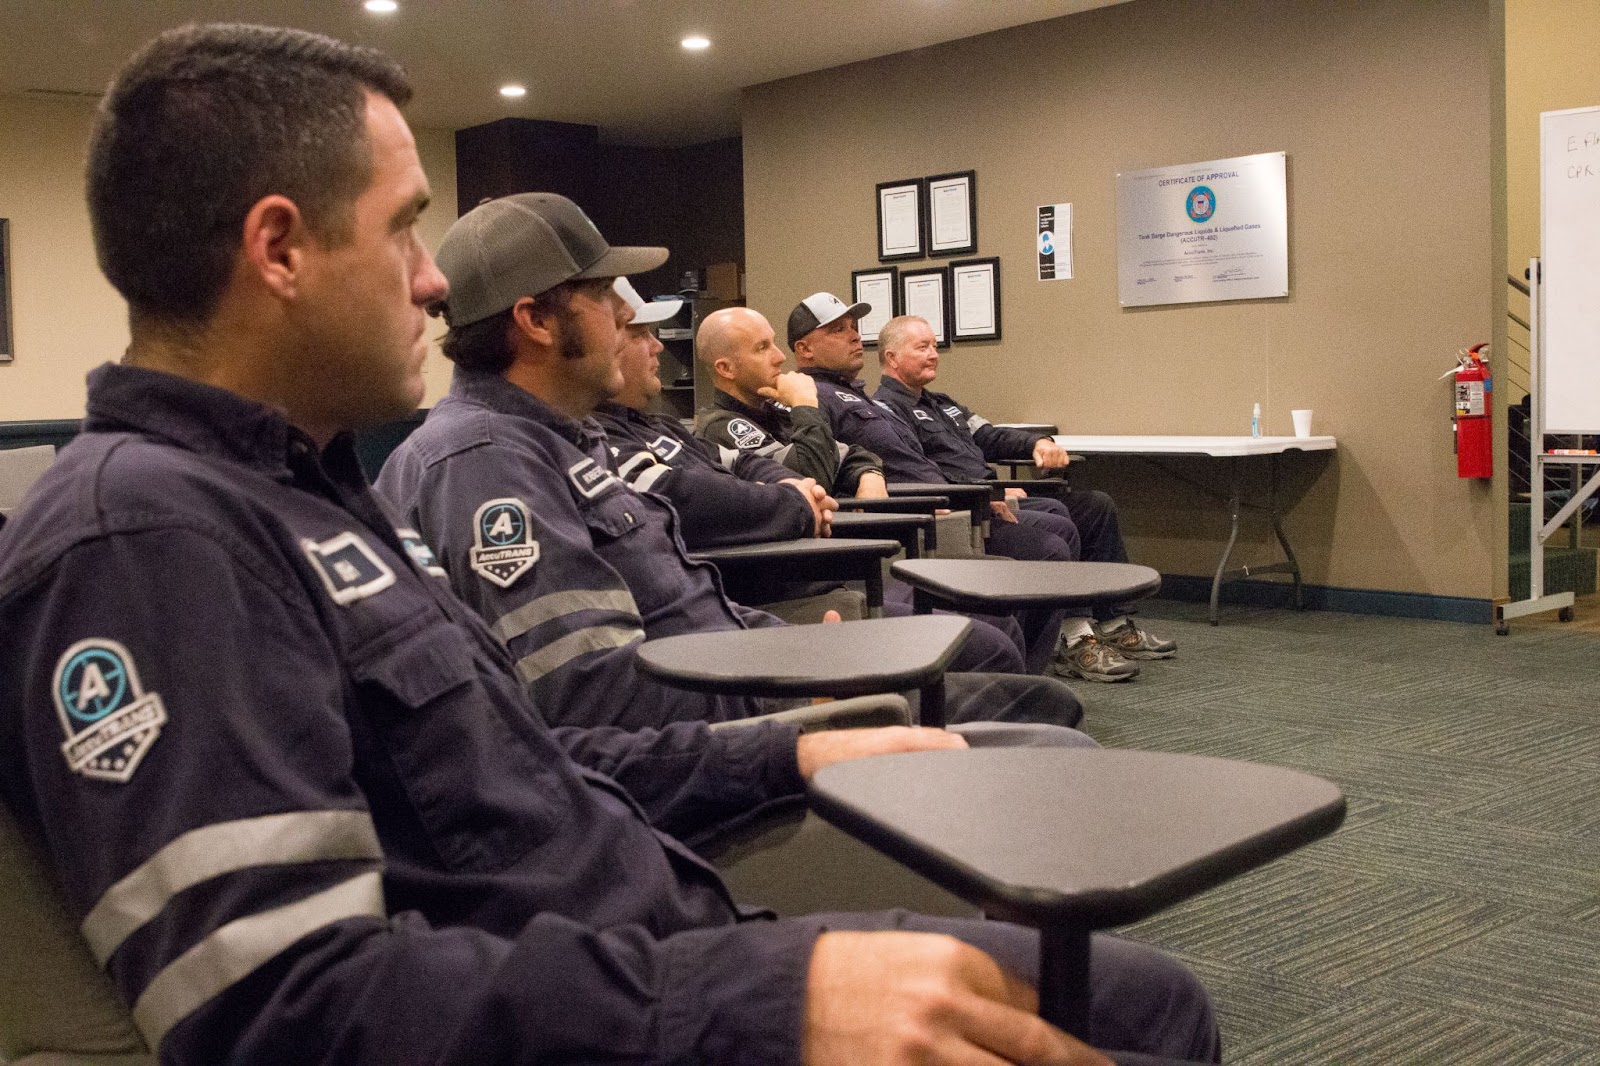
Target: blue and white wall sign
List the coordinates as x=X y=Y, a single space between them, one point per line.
x=1055 y=242
x=1204 y=231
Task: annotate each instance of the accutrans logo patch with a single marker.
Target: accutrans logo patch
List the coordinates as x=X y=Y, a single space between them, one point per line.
x=1201 y=203
x=109 y=720
x=503 y=545
x=745 y=434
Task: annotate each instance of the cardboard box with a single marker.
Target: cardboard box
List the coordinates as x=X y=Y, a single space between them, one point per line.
x=725 y=281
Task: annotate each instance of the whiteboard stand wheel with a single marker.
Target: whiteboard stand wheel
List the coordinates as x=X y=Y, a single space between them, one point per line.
x=1502 y=628
x=1566 y=614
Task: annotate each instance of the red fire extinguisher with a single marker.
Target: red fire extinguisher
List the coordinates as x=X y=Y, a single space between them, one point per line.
x=1474 y=411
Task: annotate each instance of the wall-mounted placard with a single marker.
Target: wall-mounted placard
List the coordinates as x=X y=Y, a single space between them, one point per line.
x=1204 y=231
x=900 y=221
x=926 y=293
x=975 y=299
x=1054 y=223
x=953 y=213
x=880 y=288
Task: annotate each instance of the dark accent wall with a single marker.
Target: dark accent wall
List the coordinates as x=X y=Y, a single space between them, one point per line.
x=690 y=199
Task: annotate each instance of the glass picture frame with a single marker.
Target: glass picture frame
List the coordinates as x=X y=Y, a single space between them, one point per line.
x=926 y=293
x=952 y=213
x=975 y=299
x=880 y=287
x=901 y=222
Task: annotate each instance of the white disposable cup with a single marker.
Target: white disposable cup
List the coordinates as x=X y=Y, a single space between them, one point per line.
x=1302 y=422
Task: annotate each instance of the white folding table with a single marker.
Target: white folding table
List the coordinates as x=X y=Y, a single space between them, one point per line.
x=1235 y=450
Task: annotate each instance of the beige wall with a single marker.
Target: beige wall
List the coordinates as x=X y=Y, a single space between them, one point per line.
x=1550 y=66
x=1551 y=47
x=66 y=319
x=1390 y=115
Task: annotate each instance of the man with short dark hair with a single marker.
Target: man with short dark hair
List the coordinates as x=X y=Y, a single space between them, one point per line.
x=286 y=781
x=963 y=444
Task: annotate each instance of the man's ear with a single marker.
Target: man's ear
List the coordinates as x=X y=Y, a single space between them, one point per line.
x=273 y=244
x=533 y=324
x=801 y=348
x=722 y=367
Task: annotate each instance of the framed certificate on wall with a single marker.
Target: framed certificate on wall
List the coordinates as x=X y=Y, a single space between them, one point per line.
x=953 y=213
x=975 y=299
x=926 y=293
x=880 y=288
x=900 y=220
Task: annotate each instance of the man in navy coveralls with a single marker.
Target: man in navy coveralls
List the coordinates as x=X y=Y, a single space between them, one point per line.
x=287 y=782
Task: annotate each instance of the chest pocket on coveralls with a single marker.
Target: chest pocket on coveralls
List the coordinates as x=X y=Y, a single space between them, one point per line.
x=466 y=766
x=631 y=533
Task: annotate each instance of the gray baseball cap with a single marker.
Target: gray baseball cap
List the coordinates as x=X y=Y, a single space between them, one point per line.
x=524 y=245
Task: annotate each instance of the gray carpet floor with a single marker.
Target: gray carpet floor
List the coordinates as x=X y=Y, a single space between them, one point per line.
x=1455 y=918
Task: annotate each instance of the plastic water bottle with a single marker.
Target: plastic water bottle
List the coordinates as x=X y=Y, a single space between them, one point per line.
x=1255 y=421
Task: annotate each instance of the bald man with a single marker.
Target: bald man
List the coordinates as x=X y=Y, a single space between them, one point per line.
x=760 y=410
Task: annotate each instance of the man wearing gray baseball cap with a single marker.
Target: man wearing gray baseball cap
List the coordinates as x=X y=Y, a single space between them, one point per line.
x=509 y=480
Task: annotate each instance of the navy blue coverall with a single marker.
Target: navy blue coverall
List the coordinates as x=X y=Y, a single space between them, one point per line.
x=306 y=813
x=798 y=437
x=710 y=488
x=963 y=444
x=1037 y=534
x=572 y=568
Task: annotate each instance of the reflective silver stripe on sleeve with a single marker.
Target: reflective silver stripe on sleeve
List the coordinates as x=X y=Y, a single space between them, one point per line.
x=729 y=456
x=779 y=454
x=235 y=950
x=844 y=450
x=224 y=848
x=558 y=653
x=537 y=612
x=655 y=473
x=625 y=471
x=975 y=423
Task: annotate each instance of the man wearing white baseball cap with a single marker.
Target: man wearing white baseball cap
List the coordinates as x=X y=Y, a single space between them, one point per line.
x=827 y=346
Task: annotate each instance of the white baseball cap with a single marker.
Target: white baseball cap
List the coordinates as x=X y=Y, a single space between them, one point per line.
x=817 y=310
x=646 y=313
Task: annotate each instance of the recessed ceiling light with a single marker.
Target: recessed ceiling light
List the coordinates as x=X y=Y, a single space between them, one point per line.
x=696 y=44
x=513 y=92
x=382 y=7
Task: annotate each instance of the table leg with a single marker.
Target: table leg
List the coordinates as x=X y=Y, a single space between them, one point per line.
x=1064 y=979
x=874 y=583
x=921 y=602
x=1233 y=536
x=930 y=711
x=1283 y=540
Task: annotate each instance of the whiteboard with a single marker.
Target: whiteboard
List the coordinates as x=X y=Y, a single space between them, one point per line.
x=1569 y=237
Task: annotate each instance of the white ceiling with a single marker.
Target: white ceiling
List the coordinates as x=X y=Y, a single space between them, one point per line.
x=615 y=64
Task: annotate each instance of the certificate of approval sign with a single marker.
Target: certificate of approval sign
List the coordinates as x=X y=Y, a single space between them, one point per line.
x=1203 y=231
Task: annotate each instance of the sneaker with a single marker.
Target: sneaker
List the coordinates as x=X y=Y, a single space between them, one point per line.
x=1132 y=642
x=1090 y=659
